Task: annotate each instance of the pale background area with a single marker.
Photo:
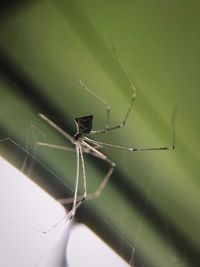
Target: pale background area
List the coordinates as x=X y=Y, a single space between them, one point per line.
x=25 y=211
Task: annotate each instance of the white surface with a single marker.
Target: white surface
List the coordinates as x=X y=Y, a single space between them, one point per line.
x=85 y=249
x=23 y=205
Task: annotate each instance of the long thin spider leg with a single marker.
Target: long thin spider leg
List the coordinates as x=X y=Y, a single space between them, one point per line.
x=133 y=149
x=84 y=175
x=101 y=100
x=30 y=155
x=103 y=183
x=70 y=149
x=132 y=86
x=56 y=146
x=130 y=148
x=71 y=214
x=55 y=126
x=77 y=180
x=80 y=198
x=76 y=202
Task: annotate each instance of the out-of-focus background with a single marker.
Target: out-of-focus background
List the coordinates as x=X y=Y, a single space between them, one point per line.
x=149 y=212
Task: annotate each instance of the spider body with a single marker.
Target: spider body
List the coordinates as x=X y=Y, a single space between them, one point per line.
x=83 y=144
x=84 y=124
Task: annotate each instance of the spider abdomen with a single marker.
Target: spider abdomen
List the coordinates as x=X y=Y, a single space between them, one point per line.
x=84 y=124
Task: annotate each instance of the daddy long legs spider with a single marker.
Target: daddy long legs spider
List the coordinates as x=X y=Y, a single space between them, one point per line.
x=84 y=144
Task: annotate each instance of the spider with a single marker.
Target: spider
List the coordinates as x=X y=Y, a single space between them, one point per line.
x=84 y=144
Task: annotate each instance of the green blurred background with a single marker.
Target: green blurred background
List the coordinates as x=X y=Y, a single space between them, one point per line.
x=151 y=203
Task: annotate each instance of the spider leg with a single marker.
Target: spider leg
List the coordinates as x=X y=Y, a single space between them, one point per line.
x=81 y=150
x=75 y=205
x=84 y=175
x=56 y=146
x=76 y=200
x=102 y=101
x=133 y=88
x=70 y=149
x=133 y=149
x=120 y=125
x=103 y=183
x=55 y=126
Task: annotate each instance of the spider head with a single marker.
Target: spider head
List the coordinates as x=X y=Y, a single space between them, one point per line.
x=84 y=125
